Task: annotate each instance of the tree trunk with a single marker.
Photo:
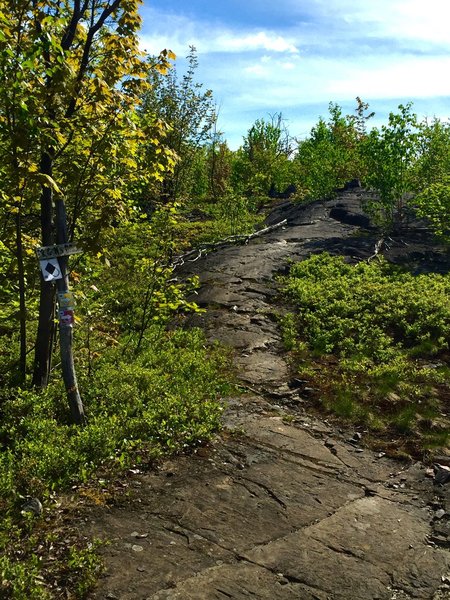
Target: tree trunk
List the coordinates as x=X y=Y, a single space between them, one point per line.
x=66 y=324
x=44 y=337
x=22 y=300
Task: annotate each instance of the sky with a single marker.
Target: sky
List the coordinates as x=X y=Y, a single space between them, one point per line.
x=264 y=57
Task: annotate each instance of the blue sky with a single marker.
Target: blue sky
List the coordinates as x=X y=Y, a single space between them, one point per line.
x=295 y=56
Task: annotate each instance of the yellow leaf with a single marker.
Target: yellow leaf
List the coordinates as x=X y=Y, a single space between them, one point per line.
x=48 y=181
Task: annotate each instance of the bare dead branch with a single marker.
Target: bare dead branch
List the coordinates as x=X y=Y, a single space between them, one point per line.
x=197 y=253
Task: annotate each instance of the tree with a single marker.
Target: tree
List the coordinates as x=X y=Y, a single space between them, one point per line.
x=361 y=118
x=18 y=136
x=71 y=78
x=431 y=176
x=391 y=153
x=219 y=165
x=434 y=204
x=191 y=115
x=263 y=161
x=330 y=156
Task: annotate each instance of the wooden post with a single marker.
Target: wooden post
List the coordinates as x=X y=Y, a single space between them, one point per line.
x=66 y=323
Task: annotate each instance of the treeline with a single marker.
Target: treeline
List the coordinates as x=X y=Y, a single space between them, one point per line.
x=403 y=159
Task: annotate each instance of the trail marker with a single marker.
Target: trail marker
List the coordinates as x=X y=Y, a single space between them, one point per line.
x=50 y=269
x=44 y=252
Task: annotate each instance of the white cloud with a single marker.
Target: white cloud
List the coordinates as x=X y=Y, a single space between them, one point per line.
x=398 y=19
x=219 y=41
x=257 y=69
x=178 y=33
x=268 y=68
x=262 y=40
x=279 y=84
x=288 y=66
x=400 y=76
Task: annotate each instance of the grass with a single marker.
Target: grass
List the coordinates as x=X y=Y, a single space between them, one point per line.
x=231 y=216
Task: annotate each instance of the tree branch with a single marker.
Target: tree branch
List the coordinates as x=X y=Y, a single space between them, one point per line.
x=232 y=239
x=93 y=29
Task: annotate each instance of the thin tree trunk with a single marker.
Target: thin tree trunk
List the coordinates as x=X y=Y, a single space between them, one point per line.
x=22 y=300
x=212 y=173
x=44 y=336
x=43 y=349
x=66 y=325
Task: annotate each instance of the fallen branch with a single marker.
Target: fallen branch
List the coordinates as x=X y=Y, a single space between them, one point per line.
x=383 y=244
x=232 y=239
x=379 y=245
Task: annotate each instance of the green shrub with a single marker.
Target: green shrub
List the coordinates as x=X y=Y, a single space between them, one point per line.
x=373 y=310
x=140 y=406
x=366 y=334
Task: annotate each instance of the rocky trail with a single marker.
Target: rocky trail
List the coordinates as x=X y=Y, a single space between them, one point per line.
x=282 y=505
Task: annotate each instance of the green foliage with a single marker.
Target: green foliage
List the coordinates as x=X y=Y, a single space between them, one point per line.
x=315 y=164
x=434 y=204
x=390 y=153
x=21 y=581
x=88 y=120
x=80 y=108
x=164 y=399
x=330 y=156
x=75 y=568
x=190 y=113
x=409 y=162
x=84 y=566
x=219 y=162
x=370 y=330
x=71 y=80
x=147 y=392
x=336 y=301
x=263 y=161
x=236 y=213
x=140 y=406
x=136 y=280
x=433 y=161
x=432 y=176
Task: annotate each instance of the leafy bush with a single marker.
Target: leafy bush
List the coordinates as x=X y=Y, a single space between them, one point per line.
x=365 y=334
x=163 y=399
x=369 y=309
x=139 y=406
x=434 y=204
x=331 y=155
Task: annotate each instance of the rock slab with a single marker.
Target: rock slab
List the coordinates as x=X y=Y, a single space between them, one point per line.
x=281 y=506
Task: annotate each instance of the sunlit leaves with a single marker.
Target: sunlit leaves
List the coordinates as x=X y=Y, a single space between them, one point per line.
x=391 y=152
x=434 y=204
x=189 y=114
x=72 y=76
x=330 y=156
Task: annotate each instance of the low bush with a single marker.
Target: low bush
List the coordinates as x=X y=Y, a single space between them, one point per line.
x=140 y=406
x=374 y=340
